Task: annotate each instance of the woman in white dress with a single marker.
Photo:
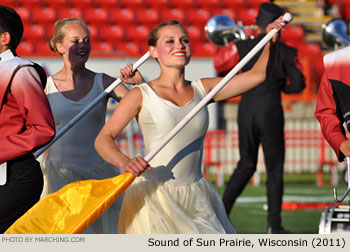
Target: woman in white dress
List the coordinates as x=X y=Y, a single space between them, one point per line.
x=170 y=195
x=73 y=157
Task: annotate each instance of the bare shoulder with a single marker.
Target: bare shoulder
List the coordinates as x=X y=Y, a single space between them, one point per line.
x=134 y=95
x=135 y=92
x=132 y=101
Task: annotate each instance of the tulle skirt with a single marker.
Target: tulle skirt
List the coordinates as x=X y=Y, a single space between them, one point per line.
x=151 y=207
x=58 y=175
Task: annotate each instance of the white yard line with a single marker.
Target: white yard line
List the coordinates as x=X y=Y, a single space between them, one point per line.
x=288 y=198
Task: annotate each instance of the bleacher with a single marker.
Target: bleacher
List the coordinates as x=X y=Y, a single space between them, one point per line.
x=123 y=25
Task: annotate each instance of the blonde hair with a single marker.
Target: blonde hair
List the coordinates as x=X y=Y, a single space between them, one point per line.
x=59 y=32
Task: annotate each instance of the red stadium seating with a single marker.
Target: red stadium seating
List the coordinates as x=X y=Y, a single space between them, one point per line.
x=125 y=24
x=209 y=4
x=129 y=48
x=157 y=4
x=96 y=16
x=94 y=31
x=122 y=16
x=55 y=3
x=134 y=4
x=169 y=14
x=81 y=3
x=42 y=49
x=101 y=47
x=308 y=49
x=204 y=49
x=43 y=15
x=49 y=30
x=69 y=12
x=143 y=47
x=182 y=4
x=346 y=11
x=236 y=4
x=198 y=16
x=25 y=48
x=293 y=33
x=106 y=4
x=137 y=33
x=196 y=33
x=28 y=3
x=34 y=32
x=247 y=16
x=112 y=33
x=9 y=3
x=149 y=17
x=255 y=3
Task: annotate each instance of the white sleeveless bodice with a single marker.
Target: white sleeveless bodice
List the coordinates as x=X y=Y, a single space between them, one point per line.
x=83 y=133
x=179 y=162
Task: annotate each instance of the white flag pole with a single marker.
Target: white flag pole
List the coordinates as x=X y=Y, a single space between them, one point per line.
x=89 y=107
x=287 y=17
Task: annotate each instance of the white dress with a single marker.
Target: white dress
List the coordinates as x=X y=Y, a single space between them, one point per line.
x=73 y=157
x=173 y=197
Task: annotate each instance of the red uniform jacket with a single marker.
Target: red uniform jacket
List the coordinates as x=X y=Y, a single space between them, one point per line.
x=26 y=121
x=333 y=101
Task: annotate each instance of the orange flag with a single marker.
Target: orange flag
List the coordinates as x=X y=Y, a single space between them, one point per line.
x=73 y=208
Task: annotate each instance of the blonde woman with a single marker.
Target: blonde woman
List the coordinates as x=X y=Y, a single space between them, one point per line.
x=73 y=157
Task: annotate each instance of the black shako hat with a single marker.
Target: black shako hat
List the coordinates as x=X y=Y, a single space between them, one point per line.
x=268 y=12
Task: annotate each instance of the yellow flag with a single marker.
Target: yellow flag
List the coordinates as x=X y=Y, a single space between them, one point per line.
x=73 y=208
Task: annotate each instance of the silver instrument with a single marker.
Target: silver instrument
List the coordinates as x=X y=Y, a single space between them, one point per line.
x=335 y=33
x=221 y=30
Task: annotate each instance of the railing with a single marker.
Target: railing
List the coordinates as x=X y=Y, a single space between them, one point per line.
x=306 y=152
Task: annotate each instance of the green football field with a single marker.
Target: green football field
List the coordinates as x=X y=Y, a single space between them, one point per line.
x=248 y=215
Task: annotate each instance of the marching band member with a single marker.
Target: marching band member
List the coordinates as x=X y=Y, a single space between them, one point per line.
x=26 y=123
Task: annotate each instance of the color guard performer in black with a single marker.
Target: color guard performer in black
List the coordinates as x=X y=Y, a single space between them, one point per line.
x=260 y=116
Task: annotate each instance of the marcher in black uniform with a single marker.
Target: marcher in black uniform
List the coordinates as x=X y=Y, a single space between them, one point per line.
x=260 y=117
